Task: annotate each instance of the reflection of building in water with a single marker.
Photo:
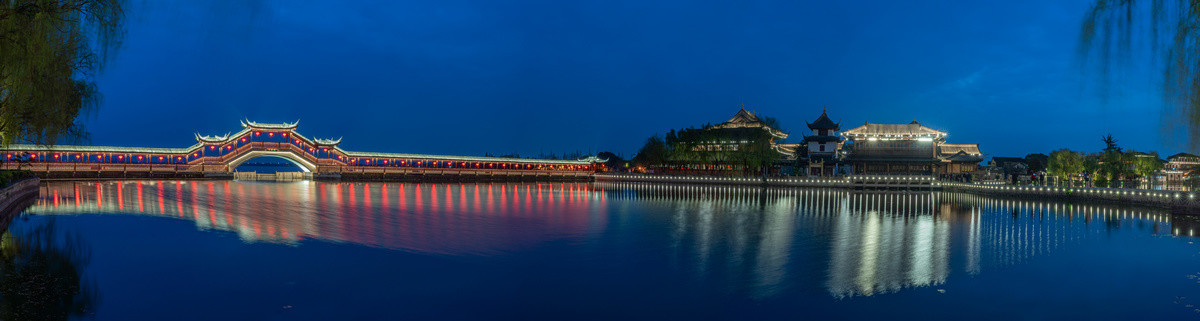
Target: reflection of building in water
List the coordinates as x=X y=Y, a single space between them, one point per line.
x=1184 y=225
x=436 y=218
x=885 y=242
x=759 y=240
x=865 y=243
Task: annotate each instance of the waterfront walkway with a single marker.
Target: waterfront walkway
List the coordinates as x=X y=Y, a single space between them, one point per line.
x=1178 y=201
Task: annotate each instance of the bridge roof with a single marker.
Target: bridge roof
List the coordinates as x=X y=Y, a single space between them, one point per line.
x=100 y=149
x=468 y=158
x=154 y=150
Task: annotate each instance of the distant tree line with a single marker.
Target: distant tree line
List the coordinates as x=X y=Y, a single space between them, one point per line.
x=1106 y=168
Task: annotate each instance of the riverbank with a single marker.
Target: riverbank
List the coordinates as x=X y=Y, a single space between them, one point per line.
x=15 y=198
x=855 y=182
x=1180 y=202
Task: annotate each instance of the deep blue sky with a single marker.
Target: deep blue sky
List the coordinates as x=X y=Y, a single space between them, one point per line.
x=469 y=77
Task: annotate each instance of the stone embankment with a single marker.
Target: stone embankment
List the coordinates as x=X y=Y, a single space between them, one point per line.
x=1178 y=201
x=15 y=198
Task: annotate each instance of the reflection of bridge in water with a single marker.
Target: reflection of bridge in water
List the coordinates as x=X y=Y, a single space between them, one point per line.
x=874 y=242
x=432 y=218
x=762 y=241
x=217 y=155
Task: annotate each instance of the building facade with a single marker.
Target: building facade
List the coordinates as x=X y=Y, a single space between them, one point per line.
x=1181 y=167
x=820 y=154
x=909 y=149
x=738 y=145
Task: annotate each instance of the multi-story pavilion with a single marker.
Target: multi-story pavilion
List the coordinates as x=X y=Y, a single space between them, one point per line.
x=745 y=120
x=729 y=146
x=821 y=153
x=908 y=149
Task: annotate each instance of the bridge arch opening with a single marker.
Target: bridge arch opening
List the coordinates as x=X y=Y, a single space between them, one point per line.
x=252 y=157
x=269 y=165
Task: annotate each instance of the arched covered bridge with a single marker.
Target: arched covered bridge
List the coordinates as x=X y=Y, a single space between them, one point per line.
x=218 y=156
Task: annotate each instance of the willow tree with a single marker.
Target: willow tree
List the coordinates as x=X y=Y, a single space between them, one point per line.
x=1066 y=164
x=50 y=51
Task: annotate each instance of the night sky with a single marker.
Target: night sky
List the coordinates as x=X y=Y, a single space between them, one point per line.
x=472 y=77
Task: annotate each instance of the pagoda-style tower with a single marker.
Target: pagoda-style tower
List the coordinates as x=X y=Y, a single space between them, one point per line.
x=823 y=146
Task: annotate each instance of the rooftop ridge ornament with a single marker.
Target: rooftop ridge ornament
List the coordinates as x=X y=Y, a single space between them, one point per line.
x=327 y=141
x=246 y=123
x=213 y=138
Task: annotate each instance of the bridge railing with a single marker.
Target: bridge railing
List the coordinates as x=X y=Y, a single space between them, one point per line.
x=92 y=167
x=455 y=171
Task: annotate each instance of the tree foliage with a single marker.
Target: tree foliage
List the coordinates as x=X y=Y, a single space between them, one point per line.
x=653 y=153
x=1145 y=164
x=1037 y=162
x=50 y=51
x=613 y=161
x=1065 y=163
x=1110 y=143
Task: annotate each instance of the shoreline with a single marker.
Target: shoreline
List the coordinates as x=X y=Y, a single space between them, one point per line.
x=15 y=198
x=1179 y=202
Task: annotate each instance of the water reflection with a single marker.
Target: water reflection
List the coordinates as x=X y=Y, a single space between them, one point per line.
x=41 y=274
x=873 y=243
x=764 y=242
x=432 y=218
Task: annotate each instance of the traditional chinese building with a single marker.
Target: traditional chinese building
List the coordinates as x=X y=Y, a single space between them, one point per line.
x=908 y=149
x=730 y=147
x=821 y=153
x=745 y=120
x=1181 y=167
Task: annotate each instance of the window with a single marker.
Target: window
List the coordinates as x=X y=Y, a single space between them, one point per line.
x=822 y=147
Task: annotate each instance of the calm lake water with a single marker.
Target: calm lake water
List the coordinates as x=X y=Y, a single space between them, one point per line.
x=210 y=250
